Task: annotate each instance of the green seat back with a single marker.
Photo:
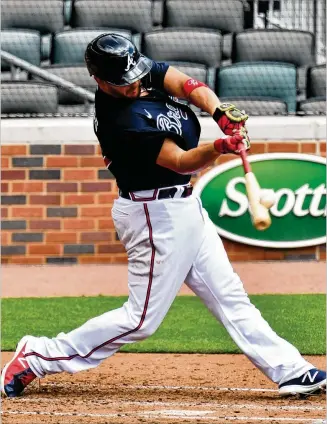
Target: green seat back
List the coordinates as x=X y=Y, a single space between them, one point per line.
x=263 y=79
x=69 y=46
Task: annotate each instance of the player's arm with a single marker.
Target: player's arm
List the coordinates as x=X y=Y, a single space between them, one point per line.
x=178 y=160
x=203 y=97
x=180 y=85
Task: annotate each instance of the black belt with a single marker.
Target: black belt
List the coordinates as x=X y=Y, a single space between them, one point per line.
x=160 y=193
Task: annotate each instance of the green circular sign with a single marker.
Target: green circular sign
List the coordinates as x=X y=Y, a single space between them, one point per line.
x=299 y=214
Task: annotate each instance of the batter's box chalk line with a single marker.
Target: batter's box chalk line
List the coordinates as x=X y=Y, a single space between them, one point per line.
x=181 y=404
x=201 y=415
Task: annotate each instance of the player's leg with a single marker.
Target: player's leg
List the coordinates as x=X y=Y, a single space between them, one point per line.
x=213 y=279
x=156 y=237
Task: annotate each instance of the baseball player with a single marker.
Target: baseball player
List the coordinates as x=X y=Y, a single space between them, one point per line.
x=149 y=142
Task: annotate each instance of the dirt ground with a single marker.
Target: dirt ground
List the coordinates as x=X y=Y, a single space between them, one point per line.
x=157 y=388
x=160 y=388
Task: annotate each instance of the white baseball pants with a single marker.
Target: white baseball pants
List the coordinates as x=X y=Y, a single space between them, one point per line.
x=169 y=241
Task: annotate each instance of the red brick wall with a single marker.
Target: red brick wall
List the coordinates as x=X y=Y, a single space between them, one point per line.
x=56 y=202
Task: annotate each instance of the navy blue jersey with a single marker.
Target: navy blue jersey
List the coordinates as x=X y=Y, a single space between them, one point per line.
x=131 y=133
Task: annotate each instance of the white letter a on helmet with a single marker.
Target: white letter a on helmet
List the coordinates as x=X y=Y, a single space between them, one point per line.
x=130 y=63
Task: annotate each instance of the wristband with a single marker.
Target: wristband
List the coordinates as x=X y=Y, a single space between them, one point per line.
x=191 y=84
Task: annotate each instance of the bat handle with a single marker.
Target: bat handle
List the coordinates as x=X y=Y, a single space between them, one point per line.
x=246 y=164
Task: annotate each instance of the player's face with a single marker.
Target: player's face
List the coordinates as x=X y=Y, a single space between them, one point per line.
x=131 y=91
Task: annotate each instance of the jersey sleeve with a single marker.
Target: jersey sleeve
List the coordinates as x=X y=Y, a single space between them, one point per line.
x=155 y=78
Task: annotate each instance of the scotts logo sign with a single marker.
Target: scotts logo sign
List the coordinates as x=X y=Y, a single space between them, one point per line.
x=298 y=216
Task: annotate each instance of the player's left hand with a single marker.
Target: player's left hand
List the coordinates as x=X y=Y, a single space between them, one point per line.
x=231 y=144
x=229 y=118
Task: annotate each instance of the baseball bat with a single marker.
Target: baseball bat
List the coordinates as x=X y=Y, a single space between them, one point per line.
x=259 y=214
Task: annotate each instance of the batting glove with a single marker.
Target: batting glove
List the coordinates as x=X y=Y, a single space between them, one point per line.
x=229 y=118
x=230 y=144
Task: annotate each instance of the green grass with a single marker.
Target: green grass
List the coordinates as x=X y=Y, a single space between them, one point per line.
x=188 y=326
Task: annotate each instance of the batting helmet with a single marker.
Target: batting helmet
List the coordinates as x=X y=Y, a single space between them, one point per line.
x=115 y=59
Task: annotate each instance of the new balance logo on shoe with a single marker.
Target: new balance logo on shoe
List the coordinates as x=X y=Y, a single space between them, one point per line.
x=310 y=377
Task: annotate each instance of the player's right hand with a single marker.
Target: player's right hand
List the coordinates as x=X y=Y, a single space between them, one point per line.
x=230 y=144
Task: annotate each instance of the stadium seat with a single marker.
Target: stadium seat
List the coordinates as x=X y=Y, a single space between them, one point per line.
x=134 y=15
x=316 y=81
x=77 y=75
x=45 y=16
x=296 y=47
x=260 y=79
x=28 y=97
x=223 y=15
x=258 y=106
x=26 y=44
x=177 y=45
x=313 y=106
x=184 y=45
x=227 y=16
x=69 y=46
